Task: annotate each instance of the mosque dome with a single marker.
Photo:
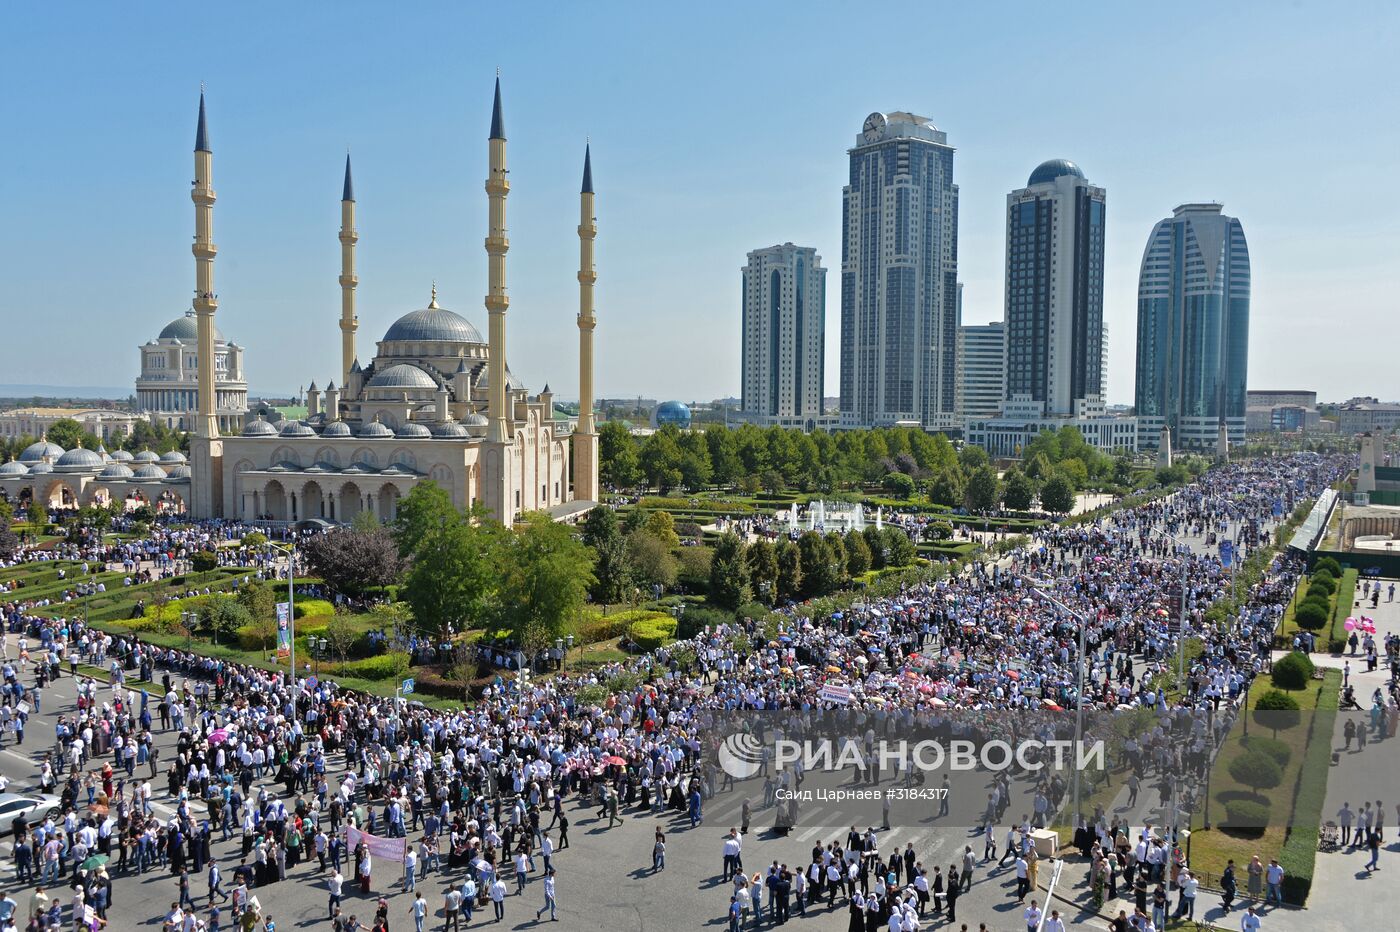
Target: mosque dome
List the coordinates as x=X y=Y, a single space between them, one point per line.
x=259 y=428
x=374 y=429
x=1047 y=172
x=145 y=456
x=148 y=472
x=79 y=459
x=450 y=430
x=186 y=329
x=475 y=419
x=336 y=429
x=402 y=375
x=39 y=468
x=121 y=456
x=512 y=383
x=433 y=324
x=13 y=468
x=671 y=412
x=41 y=450
x=179 y=472
x=411 y=431
x=173 y=457
x=115 y=471
x=297 y=429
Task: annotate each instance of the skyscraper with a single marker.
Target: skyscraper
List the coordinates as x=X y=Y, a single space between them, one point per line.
x=981 y=369
x=899 y=272
x=1193 y=328
x=1054 y=293
x=784 y=335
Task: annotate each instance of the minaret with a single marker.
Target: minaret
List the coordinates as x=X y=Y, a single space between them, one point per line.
x=585 y=440
x=349 y=323
x=205 y=303
x=497 y=187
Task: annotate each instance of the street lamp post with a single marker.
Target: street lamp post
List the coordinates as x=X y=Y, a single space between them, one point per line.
x=291 y=551
x=1083 y=625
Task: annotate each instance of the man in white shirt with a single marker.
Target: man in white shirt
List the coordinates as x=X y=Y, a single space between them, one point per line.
x=1032 y=916
x=1249 y=922
x=335 y=884
x=498 y=897
x=1054 y=923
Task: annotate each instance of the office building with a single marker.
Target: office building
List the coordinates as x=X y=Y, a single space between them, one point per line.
x=981 y=369
x=1281 y=411
x=1359 y=416
x=899 y=276
x=1054 y=292
x=783 y=336
x=1193 y=329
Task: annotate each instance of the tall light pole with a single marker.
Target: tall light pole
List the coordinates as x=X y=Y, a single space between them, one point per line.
x=1083 y=624
x=291 y=552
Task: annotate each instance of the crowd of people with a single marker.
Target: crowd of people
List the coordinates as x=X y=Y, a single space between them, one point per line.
x=287 y=764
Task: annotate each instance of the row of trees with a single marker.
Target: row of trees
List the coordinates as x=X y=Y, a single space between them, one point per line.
x=813 y=565
x=905 y=461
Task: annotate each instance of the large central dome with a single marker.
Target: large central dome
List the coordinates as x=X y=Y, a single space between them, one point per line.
x=186 y=329
x=433 y=324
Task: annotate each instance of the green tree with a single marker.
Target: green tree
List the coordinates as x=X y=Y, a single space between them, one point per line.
x=857 y=554
x=257 y=599
x=1256 y=770
x=724 y=455
x=341 y=635
x=820 y=572
x=663 y=526
x=222 y=616
x=763 y=571
x=611 y=568
x=875 y=545
x=545 y=574
x=38 y=517
x=424 y=511
x=661 y=459
x=729 y=576
x=971 y=458
x=983 y=488
x=617 y=452
x=1018 y=490
x=789 y=571
x=68 y=434
x=650 y=559
x=898 y=484
x=946 y=489
x=453 y=559
x=901 y=548
x=353 y=561
x=772 y=481
x=696 y=469
x=1057 y=495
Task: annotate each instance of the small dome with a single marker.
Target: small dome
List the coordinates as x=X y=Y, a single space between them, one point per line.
x=475 y=419
x=148 y=472
x=336 y=429
x=402 y=376
x=259 y=428
x=80 y=459
x=115 y=471
x=121 y=456
x=512 y=383
x=179 y=472
x=412 y=430
x=1046 y=172
x=374 y=429
x=174 y=456
x=41 y=450
x=13 y=468
x=145 y=456
x=39 y=468
x=450 y=430
x=433 y=324
x=671 y=412
x=186 y=328
x=297 y=429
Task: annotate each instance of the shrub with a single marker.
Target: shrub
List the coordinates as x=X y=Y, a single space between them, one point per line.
x=204 y=561
x=1293 y=671
x=1323 y=585
x=697 y=617
x=1328 y=565
x=1276 y=710
x=257 y=636
x=313 y=608
x=594 y=628
x=1311 y=615
x=1256 y=770
x=1246 y=816
x=382 y=667
x=651 y=633
x=753 y=611
x=1272 y=747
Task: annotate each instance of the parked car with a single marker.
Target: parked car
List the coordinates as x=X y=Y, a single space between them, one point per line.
x=33 y=807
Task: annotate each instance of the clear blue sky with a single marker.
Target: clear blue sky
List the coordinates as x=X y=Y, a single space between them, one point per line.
x=717 y=128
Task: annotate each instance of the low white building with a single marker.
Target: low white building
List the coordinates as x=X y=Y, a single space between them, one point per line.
x=103 y=423
x=1008 y=435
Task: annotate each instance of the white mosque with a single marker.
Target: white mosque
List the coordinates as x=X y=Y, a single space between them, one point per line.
x=436 y=402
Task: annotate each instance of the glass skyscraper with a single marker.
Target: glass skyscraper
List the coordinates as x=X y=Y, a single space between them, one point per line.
x=783 y=369
x=899 y=274
x=1193 y=328
x=1054 y=293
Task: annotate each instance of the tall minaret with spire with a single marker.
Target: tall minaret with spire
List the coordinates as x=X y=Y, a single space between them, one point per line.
x=497 y=187
x=205 y=303
x=585 y=440
x=349 y=323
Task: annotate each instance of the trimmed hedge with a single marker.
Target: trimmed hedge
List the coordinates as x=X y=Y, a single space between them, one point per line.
x=1298 y=856
x=594 y=627
x=651 y=633
x=1293 y=671
x=313 y=608
x=381 y=667
x=1270 y=747
x=1311 y=615
x=1245 y=816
